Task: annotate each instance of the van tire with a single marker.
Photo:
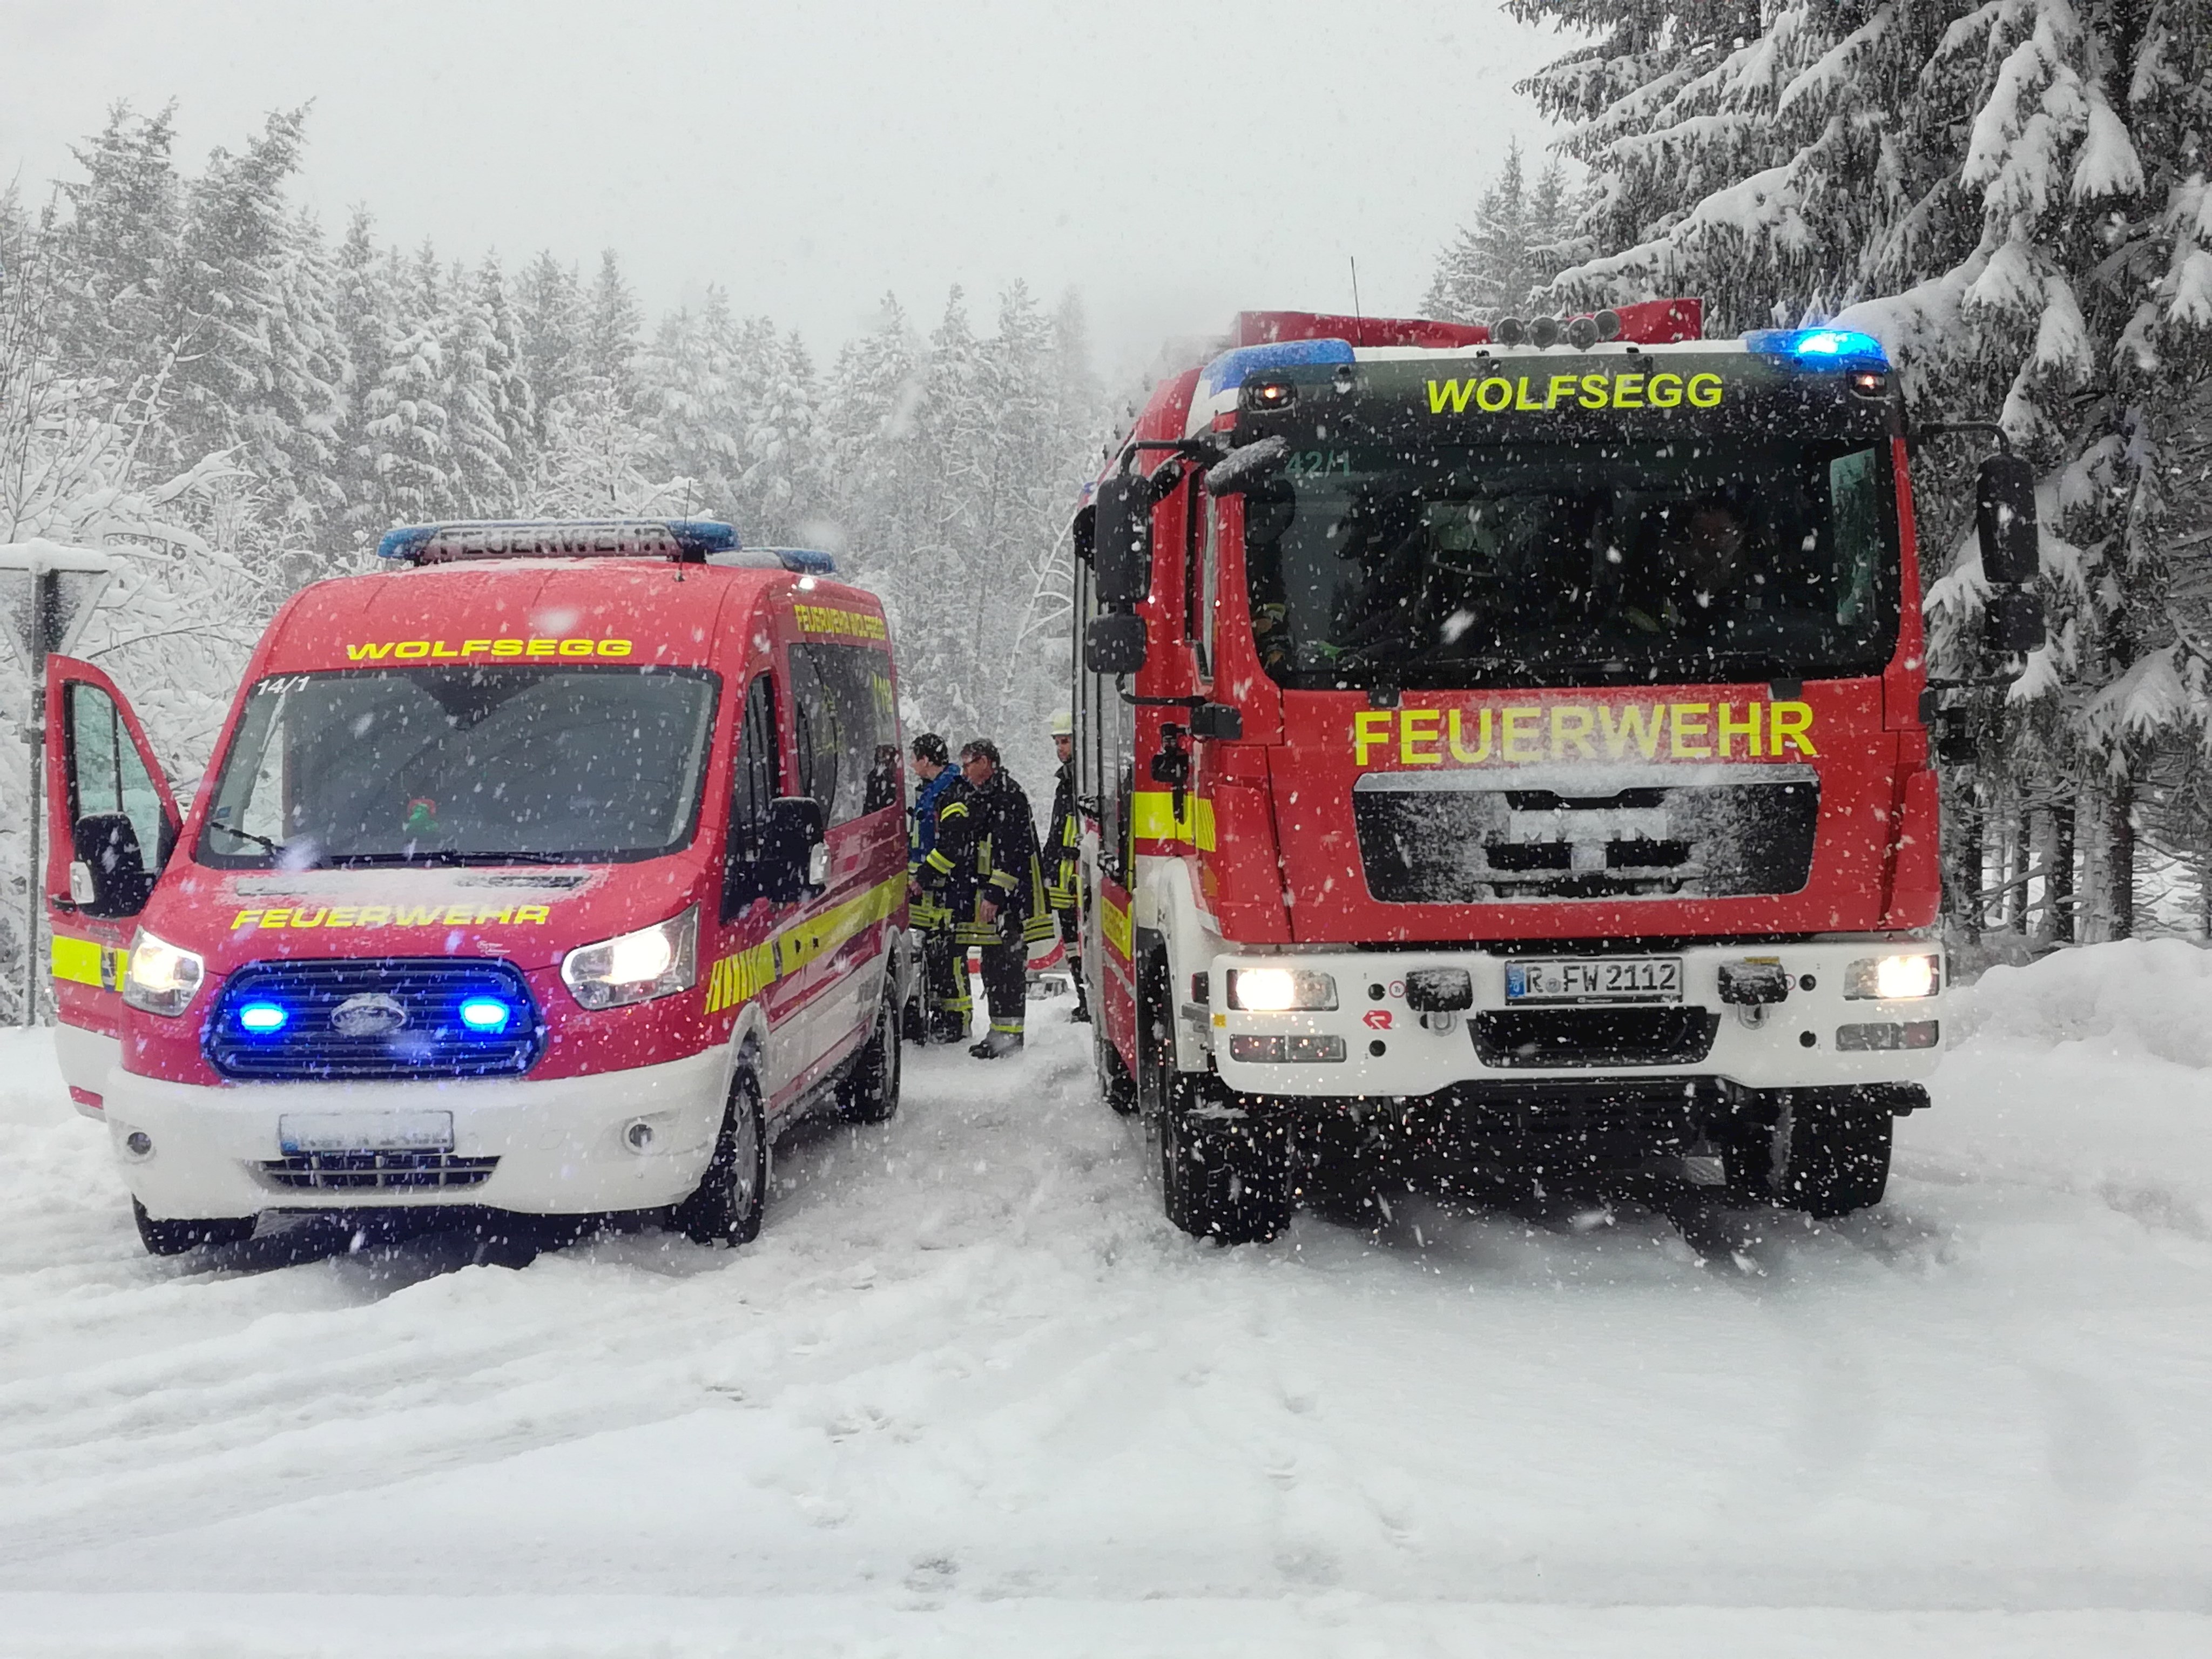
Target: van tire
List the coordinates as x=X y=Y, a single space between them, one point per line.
x=1114 y=1084
x=175 y=1237
x=1832 y=1152
x=869 y=1090
x=725 y=1207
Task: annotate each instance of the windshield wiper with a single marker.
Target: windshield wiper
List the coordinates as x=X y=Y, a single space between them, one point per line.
x=451 y=856
x=276 y=848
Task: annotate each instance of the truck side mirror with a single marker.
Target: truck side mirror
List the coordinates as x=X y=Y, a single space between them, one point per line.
x=2004 y=520
x=1121 y=540
x=794 y=854
x=1115 y=645
x=2012 y=623
x=108 y=876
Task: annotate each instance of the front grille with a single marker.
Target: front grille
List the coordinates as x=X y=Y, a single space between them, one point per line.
x=417 y=999
x=1593 y=1036
x=378 y=1171
x=1691 y=832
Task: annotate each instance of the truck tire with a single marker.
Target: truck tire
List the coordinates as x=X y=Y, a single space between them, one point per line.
x=869 y=1090
x=1222 y=1177
x=1832 y=1152
x=175 y=1237
x=1340 y=1173
x=725 y=1207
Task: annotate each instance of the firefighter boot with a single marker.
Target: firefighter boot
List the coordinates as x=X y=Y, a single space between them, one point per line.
x=997 y=1046
x=1079 y=1014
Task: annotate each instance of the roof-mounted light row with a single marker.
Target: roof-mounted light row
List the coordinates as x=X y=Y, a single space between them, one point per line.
x=688 y=541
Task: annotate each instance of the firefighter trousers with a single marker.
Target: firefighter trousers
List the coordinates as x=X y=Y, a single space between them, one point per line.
x=1005 y=983
x=1071 y=936
x=945 y=972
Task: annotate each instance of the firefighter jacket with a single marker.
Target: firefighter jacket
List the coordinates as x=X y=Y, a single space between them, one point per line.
x=928 y=911
x=1063 y=841
x=987 y=849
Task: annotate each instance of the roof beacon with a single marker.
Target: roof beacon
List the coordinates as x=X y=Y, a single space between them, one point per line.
x=686 y=541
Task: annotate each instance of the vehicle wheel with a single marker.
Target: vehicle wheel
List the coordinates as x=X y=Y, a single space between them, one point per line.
x=1340 y=1173
x=175 y=1237
x=1223 y=1177
x=725 y=1209
x=1832 y=1152
x=1114 y=1081
x=869 y=1091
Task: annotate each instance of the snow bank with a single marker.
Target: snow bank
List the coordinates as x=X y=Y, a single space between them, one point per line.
x=2152 y=995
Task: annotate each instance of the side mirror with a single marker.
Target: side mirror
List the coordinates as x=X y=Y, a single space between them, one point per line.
x=790 y=843
x=2004 y=520
x=1115 y=645
x=115 y=882
x=1121 y=540
x=2012 y=624
x=1247 y=466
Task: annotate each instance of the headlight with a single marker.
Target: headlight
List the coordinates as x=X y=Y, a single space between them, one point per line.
x=162 y=977
x=653 y=961
x=1277 y=990
x=1894 y=978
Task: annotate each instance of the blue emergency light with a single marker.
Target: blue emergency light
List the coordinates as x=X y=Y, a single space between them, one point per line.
x=264 y=1018
x=1841 y=349
x=690 y=540
x=484 y=1014
x=1232 y=369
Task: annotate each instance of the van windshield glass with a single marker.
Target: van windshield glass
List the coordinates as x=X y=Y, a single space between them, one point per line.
x=1565 y=563
x=476 y=765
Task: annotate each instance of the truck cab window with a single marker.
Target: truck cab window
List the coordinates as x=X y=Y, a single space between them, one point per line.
x=754 y=786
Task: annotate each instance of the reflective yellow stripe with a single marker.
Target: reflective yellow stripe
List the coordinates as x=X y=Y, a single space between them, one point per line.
x=1113 y=922
x=77 y=960
x=1152 y=818
x=744 y=975
x=88 y=962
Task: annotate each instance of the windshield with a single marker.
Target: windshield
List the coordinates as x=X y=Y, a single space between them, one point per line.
x=1545 y=563
x=478 y=765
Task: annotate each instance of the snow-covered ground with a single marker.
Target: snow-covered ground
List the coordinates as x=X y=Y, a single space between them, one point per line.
x=970 y=1394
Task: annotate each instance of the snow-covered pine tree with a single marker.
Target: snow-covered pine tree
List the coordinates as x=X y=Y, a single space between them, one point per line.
x=868 y=428
x=688 y=392
x=549 y=306
x=117 y=245
x=409 y=427
x=1516 y=244
x=481 y=474
x=513 y=408
x=611 y=322
x=2011 y=195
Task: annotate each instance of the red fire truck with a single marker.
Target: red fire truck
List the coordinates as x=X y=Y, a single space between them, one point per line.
x=1509 y=753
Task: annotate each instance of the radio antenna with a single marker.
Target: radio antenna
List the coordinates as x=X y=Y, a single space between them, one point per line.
x=1354 y=264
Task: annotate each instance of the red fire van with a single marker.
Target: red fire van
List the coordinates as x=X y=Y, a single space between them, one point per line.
x=549 y=872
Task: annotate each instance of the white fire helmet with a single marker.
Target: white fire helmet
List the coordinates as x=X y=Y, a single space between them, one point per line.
x=1063 y=725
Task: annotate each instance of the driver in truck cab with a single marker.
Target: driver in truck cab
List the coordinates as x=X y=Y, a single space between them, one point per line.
x=551 y=872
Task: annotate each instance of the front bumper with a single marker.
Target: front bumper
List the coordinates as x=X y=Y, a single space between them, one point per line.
x=558 y=1147
x=1388 y=1050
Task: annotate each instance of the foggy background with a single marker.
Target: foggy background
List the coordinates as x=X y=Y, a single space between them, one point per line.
x=1177 y=163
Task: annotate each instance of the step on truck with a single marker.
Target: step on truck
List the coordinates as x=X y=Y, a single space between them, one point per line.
x=548 y=873
x=1508 y=759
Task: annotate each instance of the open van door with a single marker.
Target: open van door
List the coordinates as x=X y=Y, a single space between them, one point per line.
x=111 y=824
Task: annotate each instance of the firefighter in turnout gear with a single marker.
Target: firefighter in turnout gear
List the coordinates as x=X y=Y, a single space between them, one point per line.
x=985 y=867
x=1063 y=862
x=942 y=1008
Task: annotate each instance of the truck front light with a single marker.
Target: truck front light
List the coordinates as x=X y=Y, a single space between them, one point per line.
x=162 y=977
x=1279 y=990
x=653 y=961
x=1894 y=978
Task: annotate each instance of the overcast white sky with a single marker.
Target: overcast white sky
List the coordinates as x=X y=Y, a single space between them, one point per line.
x=1174 y=162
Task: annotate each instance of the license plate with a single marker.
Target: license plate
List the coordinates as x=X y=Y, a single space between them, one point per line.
x=1595 y=979
x=365 y=1131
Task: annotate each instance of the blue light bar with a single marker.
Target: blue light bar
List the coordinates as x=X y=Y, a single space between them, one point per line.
x=486 y=1014
x=1232 y=368
x=1818 y=348
x=522 y=538
x=264 y=1018
x=805 y=560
